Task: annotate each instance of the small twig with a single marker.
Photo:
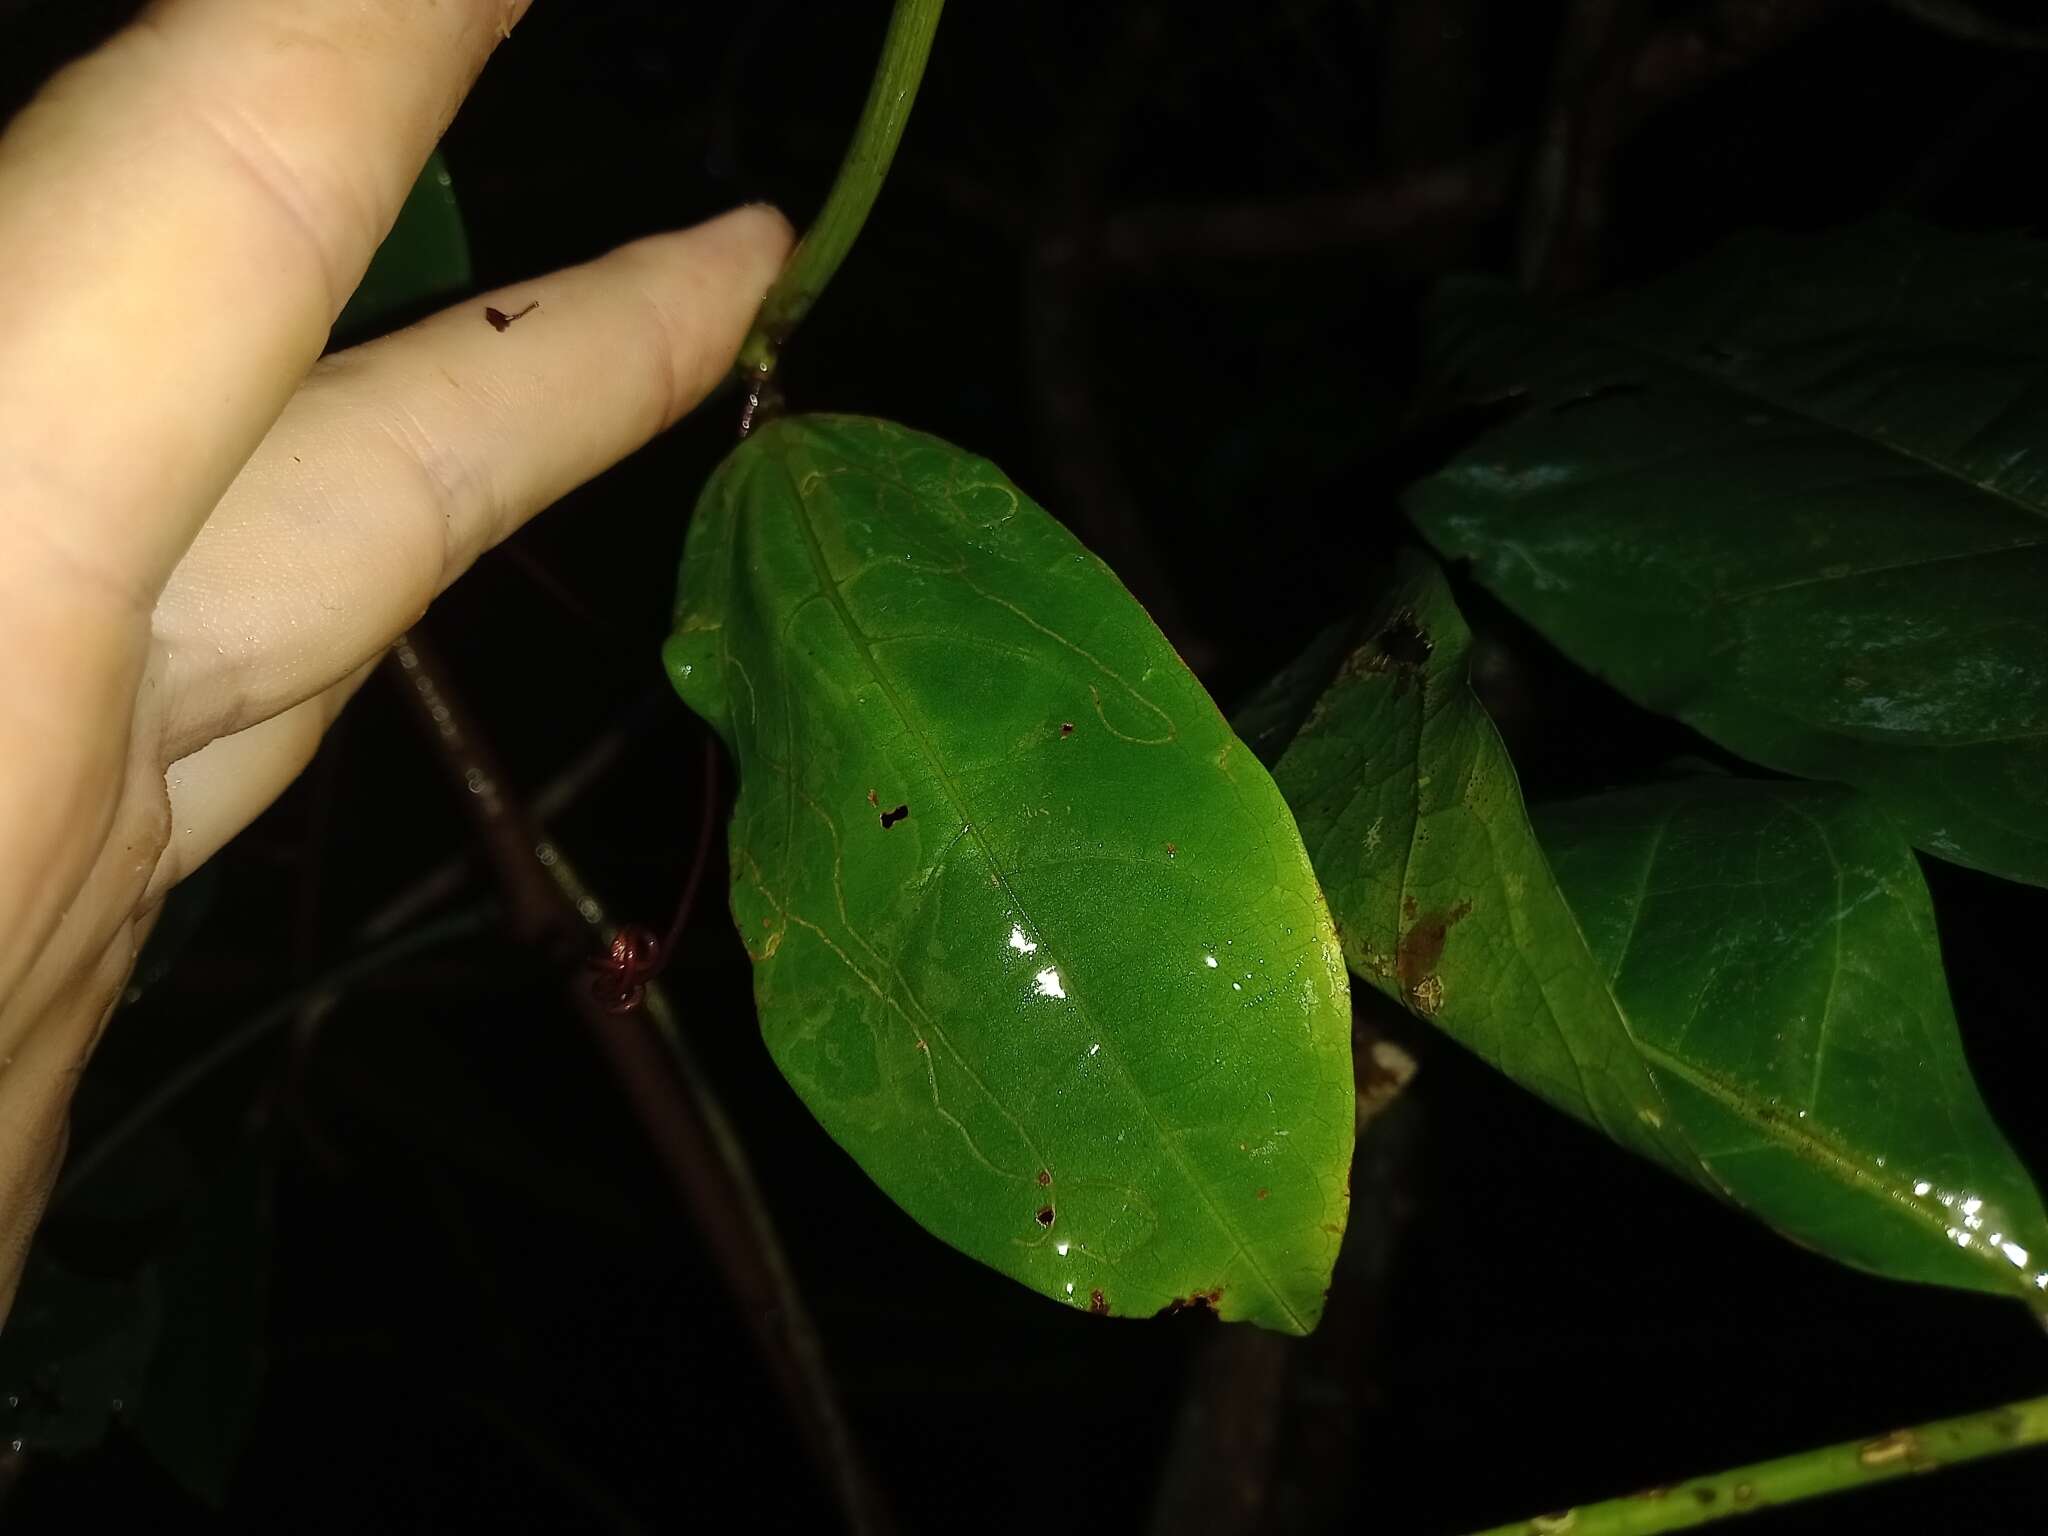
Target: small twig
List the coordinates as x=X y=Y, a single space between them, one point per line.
x=1421 y=208
x=583 y=771
x=1565 y=213
x=1806 y=1475
x=831 y=235
x=1410 y=219
x=669 y=1093
x=1959 y=19
x=459 y=925
x=1719 y=39
x=707 y=831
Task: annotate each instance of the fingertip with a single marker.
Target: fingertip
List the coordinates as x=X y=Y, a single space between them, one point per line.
x=757 y=234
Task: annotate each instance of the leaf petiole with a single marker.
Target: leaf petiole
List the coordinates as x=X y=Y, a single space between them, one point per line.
x=831 y=235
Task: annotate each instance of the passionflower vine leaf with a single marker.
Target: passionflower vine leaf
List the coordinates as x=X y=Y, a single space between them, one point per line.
x=1738 y=979
x=1034 y=934
x=1797 y=496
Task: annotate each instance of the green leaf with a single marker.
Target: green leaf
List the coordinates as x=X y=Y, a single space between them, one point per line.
x=1739 y=980
x=423 y=260
x=1798 y=497
x=1774 y=945
x=1034 y=935
x=1414 y=821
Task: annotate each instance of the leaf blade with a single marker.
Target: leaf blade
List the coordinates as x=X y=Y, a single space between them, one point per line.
x=1005 y=873
x=1795 y=497
x=1548 y=911
x=1862 y=1130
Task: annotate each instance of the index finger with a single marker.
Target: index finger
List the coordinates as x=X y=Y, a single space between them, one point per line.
x=182 y=215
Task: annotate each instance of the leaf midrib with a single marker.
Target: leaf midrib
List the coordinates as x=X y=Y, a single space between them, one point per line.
x=1813 y=1149
x=858 y=637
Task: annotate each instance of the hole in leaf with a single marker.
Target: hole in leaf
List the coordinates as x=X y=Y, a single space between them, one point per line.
x=1402 y=641
x=890 y=818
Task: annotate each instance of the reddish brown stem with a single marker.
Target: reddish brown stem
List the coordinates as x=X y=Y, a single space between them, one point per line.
x=670 y=1096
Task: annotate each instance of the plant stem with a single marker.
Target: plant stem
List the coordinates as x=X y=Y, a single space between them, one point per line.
x=838 y=224
x=1806 y=1475
x=670 y=1094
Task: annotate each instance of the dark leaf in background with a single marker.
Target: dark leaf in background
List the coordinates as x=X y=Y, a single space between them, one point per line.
x=1740 y=980
x=1797 y=496
x=424 y=260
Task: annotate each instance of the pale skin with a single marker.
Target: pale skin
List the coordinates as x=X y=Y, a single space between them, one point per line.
x=208 y=532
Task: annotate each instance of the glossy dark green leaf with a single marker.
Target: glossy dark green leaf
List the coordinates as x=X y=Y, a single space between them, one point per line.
x=425 y=259
x=1798 y=497
x=1774 y=946
x=1737 y=979
x=1034 y=935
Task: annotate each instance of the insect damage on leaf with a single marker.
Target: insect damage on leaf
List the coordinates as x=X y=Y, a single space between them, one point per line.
x=1026 y=984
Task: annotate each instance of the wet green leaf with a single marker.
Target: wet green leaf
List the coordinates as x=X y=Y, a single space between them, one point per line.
x=425 y=259
x=1034 y=935
x=1738 y=979
x=1798 y=497
x=1774 y=946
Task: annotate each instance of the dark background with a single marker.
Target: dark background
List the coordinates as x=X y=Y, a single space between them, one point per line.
x=484 y=1303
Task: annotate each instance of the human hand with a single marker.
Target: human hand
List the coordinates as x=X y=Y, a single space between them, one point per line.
x=210 y=533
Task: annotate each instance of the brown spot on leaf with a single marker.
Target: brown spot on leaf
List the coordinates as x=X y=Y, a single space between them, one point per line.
x=1173 y=850
x=1422 y=946
x=890 y=818
x=1045 y=1176
x=874 y=800
x=500 y=321
x=1399 y=650
x=1098 y=1304
x=1744 y=1493
x=1045 y=1215
x=1704 y=1495
x=1264 y=1192
x=1200 y=1301
x=1066 y=727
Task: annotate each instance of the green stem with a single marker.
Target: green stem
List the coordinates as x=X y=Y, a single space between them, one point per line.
x=1830 y=1469
x=838 y=224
